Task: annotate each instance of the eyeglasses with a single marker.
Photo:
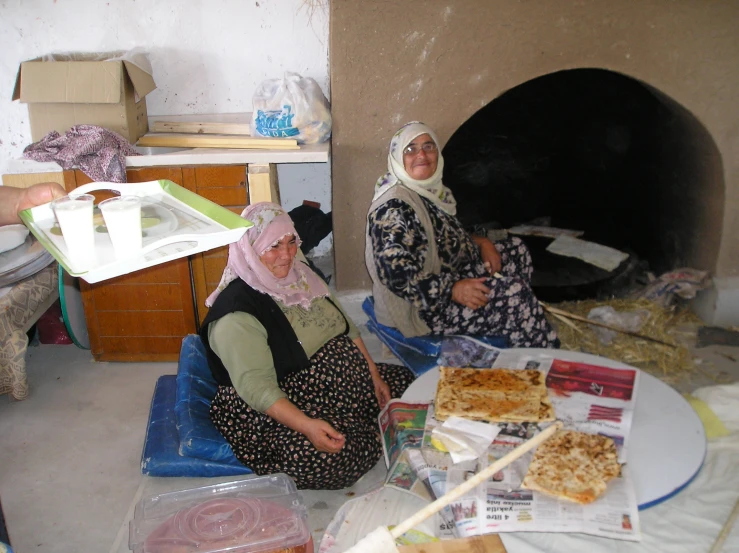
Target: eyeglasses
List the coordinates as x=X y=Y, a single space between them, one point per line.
x=413 y=149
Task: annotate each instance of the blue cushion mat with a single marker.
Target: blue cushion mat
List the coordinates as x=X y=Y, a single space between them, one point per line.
x=196 y=389
x=161 y=455
x=420 y=353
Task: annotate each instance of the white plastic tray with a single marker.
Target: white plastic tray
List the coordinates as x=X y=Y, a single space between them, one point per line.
x=187 y=224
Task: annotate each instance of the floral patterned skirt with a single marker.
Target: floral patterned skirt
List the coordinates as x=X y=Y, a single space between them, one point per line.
x=337 y=387
x=513 y=311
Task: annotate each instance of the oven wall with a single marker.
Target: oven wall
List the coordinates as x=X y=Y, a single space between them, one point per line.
x=439 y=62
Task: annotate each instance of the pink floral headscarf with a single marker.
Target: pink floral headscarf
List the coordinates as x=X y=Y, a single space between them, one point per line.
x=301 y=285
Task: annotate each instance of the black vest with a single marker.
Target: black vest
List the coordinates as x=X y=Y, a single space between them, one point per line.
x=287 y=352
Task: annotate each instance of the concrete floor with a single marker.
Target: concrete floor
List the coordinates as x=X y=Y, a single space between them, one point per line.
x=70 y=454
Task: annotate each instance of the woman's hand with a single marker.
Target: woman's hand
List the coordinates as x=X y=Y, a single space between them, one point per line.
x=323 y=436
x=14 y=200
x=489 y=254
x=382 y=390
x=471 y=292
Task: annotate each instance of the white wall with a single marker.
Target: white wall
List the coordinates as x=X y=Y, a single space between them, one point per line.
x=208 y=56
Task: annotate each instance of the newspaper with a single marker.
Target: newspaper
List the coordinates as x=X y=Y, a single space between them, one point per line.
x=586 y=397
x=402 y=426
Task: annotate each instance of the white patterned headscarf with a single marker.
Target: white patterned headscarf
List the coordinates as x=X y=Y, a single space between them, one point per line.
x=271 y=224
x=431 y=188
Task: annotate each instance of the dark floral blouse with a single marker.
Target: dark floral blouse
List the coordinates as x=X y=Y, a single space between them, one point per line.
x=400 y=246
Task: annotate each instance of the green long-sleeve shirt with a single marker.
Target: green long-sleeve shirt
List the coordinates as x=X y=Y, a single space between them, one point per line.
x=240 y=340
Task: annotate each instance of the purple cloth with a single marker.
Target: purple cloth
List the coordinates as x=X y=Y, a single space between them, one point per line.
x=97 y=152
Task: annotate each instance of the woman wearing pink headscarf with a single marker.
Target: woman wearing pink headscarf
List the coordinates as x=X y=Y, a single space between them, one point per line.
x=298 y=392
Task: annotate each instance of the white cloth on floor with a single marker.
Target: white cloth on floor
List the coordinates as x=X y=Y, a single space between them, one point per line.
x=362 y=515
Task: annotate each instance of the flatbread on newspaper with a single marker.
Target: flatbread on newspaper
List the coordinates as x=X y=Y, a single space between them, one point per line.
x=493 y=395
x=574 y=466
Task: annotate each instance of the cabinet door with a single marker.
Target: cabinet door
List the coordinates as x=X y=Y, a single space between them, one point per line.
x=140 y=174
x=142 y=316
x=226 y=186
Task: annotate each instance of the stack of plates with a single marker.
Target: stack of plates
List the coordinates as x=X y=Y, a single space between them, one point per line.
x=22 y=255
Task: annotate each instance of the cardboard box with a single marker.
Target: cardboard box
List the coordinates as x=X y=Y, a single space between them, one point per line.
x=77 y=89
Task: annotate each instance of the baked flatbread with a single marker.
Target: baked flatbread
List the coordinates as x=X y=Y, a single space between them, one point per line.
x=493 y=395
x=574 y=466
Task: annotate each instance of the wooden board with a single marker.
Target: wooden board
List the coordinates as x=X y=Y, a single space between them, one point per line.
x=263 y=185
x=490 y=543
x=216 y=141
x=24 y=180
x=200 y=127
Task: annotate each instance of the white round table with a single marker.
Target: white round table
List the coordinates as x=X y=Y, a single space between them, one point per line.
x=667 y=444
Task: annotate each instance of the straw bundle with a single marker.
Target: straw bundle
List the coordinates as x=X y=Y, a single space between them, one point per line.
x=669 y=324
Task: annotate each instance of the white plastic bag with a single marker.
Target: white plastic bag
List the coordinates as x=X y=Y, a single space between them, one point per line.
x=291 y=107
x=625 y=320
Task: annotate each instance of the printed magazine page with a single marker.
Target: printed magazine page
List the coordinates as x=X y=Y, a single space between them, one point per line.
x=402 y=476
x=401 y=426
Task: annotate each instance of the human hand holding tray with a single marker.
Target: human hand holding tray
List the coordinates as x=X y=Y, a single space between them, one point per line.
x=175 y=223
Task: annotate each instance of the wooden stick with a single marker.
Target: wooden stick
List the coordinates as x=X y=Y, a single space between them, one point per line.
x=477 y=479
x=204 y=127
x=556 y=311
x=726 y=529
x=568 y=322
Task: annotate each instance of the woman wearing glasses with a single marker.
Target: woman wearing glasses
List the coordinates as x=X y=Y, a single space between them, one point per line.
x=429 y=275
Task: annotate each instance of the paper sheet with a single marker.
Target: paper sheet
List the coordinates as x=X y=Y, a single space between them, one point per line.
x=590 y=252
x=464 y=439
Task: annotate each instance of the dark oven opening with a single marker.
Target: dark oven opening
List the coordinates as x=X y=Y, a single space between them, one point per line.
x=596 y=151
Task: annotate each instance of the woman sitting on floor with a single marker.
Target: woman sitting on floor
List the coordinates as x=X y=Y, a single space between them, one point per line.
x=429 y=275
x=298 y=392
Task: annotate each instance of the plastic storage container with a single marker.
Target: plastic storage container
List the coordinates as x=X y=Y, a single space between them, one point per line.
x=262 y=514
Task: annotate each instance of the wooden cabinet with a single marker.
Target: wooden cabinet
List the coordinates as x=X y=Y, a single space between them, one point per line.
x=226 y=186
x=143 y=316
x=24 y=180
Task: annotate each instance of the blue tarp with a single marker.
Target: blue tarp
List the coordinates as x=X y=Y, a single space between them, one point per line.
x=419 y=354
